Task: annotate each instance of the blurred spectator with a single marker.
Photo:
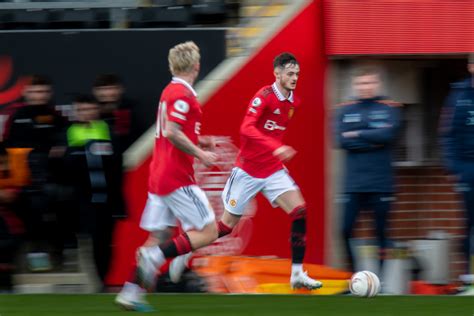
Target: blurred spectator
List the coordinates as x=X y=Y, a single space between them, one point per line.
x=366 y=129
x=457 y=140
x=95 y=173
x=114 y=108
x=35 y=126
x=11 y=227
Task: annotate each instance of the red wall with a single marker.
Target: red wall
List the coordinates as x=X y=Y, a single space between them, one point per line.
x=222 y=116
x=362 y=27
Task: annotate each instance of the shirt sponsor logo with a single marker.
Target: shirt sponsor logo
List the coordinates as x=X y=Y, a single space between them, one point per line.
x=351 y=118
x=463 y=102
x=378 y=115
x=470 y=119
x=272 y=125
x=379 y=124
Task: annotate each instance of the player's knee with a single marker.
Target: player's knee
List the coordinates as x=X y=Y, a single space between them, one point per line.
x=298 y=212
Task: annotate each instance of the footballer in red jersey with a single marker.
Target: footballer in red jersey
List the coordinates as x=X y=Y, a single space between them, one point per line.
x=173 y=194
x=259 y=166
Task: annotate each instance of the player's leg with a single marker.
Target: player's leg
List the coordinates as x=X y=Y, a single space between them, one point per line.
x=159 y=221
x=281 y=190
x=467 y=246
x=240 y=188
x=191 y=207
x=351 y=207
x=381 y=204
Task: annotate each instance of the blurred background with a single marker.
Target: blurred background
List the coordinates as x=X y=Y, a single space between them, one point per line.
x=71 y=201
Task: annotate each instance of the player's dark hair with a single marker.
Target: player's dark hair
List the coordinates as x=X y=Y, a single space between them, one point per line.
x=85 y=98
x=366 y=71
x=284 y=59
x=40 y=80
x=104 y=80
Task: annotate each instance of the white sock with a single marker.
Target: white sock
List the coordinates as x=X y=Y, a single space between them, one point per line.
x=296 y=268
x=157 y=255
x=187 y=258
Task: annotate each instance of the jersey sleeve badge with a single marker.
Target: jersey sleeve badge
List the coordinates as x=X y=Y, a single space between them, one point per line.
x=256 y=102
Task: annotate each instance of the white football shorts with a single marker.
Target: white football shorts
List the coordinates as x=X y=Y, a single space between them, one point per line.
x=188 y=205
x=242 y=187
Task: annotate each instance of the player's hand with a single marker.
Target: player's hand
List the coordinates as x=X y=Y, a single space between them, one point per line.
x=284 y=153
x=351 y=134
x=208 y=158
x=207 y=143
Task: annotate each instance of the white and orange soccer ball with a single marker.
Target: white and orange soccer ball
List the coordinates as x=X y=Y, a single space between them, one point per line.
x=364 y=284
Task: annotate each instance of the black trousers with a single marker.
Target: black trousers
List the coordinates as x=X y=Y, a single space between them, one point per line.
x=379 y=203
x=467 y=190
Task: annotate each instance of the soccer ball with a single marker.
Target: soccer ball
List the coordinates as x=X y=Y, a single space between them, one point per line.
x=364 y=284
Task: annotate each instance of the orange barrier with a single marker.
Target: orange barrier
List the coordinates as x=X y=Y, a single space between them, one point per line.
x=232 y=274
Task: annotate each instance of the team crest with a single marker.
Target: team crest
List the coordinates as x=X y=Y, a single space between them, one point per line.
x=291 y=112
x=256 y=102
x=233 y=203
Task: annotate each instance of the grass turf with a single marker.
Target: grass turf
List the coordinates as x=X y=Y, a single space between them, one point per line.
x=225 y=305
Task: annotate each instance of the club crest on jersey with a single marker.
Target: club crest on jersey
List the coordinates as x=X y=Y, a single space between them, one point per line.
x=291 y=112
x=233 y=203
x=256 y=102
x=181 y=106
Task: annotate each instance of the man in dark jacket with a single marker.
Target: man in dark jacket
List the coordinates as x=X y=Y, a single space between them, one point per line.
x=35 y=125
x=366 y=128
x=457 y=140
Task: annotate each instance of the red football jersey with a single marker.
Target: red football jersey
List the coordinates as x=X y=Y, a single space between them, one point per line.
x=262 y=131
x=171 y=168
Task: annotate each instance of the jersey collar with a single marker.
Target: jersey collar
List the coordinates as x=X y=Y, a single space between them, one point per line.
x=185 y=83
x=280 y=95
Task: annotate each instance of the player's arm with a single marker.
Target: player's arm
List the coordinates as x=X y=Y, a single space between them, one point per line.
x=249 y=129
x=207 y=143
x=176 y=136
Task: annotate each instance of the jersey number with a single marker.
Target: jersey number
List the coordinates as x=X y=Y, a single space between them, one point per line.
x=161 y=120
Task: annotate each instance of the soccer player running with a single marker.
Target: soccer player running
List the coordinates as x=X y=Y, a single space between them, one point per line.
x=173 y=194
x=259 y=167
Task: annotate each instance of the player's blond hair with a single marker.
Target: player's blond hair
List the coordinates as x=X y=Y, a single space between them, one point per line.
x=183 y=57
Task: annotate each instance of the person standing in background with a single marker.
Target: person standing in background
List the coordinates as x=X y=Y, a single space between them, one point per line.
x=367 y=128
x=115 y=109
x=457 y=142
x=36 y=126
x=93 y=167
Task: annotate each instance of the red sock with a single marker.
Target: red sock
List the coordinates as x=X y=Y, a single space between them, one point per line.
x=180 y=245
x=298 y=233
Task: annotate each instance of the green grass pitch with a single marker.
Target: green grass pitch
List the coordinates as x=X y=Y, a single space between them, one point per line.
x=247 y=305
